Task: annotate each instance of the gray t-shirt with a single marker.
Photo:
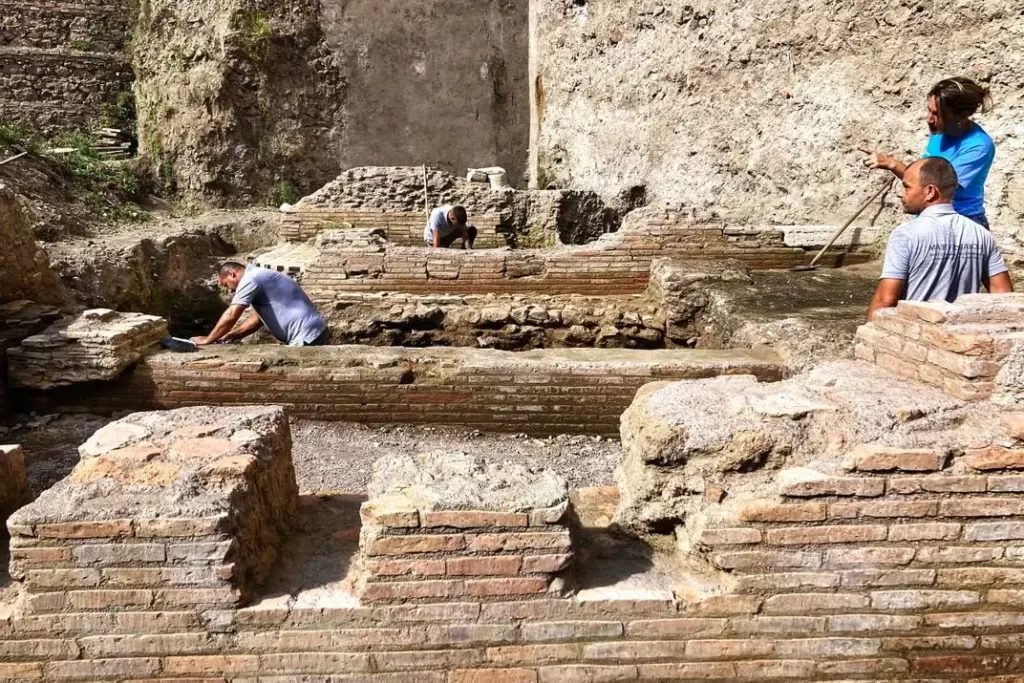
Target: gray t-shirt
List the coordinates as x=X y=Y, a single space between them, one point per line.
x=941 y=255
x=281 y=304
x=439 y=224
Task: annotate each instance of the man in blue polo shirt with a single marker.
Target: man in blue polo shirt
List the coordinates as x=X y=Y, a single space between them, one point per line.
x=957 y=139
x=279 y=304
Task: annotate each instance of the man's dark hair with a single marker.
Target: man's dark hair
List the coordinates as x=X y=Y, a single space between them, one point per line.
x=460 y=214
x=960 y=96
x=230 y=267
x=940 y=173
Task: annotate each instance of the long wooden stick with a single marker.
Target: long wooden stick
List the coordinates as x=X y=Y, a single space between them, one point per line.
x=841 y=230
x=10 y=159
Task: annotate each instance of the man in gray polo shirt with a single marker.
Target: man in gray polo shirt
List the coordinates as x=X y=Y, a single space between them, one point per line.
x=279 y=304
x=447 y=224
x=939 y=254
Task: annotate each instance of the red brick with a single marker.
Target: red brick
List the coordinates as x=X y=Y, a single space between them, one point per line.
x=956 y=554
x=34 y=557
x=937 y=484
x=738 y=536
x=826 y=534
x=526 y=610
x=635 y=650
x=864 y=667
x=887 y=578
x=981 y=576
x=964 y=664
x=802 y=603
x=884 y=509
x=1010 y=483
x=146 y=645
x=104 y=669
x=995 y=458
x=723 y=606
x=180 y=527
x=386 y=512
x=207 y=597
x=571 y=630
x=410 y=590
x=37 y=649
x=787 y=581
x=520 y=541
x=453 y=611
x=106 y=599
x=835 y=486
x=910 y=644
x=407 y=545
x=105 y=529
x=673 y=628
x=423 y=659
x=974 y=620
x=533 y=654
x=483 y=566
x=492 y=587
x=592 y=673
x=726 y=649
x=493 y=676
x=546 y=564
x=691 y=671
x=994 y=531
x=872 y=458
x=960 y=343
x=935 y=531
x=106 y=554
x=18 y=672
x=828 y=648
x=549 y=515
x=767 y=559
x=776 y=625
x=62 y=578
x=855 y=623
x=760 y=511
x=963 y=366
x=1006 y=597
x=922 y=599
x=406 y=567
x=473 y=519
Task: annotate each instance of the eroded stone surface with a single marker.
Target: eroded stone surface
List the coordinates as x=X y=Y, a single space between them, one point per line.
x=678 y=438
x=99 y=344
x=442 y=480
x=14 y=491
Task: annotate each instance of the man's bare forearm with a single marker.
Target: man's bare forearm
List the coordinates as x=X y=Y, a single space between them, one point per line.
x=223 y=326
x=247 y=327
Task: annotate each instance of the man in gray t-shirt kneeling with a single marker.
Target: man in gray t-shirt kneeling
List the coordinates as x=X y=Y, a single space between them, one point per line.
x=940 y=254
x=279 y=304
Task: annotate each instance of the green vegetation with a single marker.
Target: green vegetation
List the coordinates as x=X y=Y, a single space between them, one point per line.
x=284 y=192
x=108 y=188
x=82 y=45
x=255 y=35
x=120 y=113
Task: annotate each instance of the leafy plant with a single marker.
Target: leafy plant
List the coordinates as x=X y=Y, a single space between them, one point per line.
x=284 y=192
x=255 y=35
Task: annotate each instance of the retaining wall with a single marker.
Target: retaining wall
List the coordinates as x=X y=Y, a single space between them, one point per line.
x=581 y=391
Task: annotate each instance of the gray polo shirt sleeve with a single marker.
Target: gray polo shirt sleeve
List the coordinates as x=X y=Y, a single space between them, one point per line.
x=995 y=264
x=897 y=257
x=434 y=224
x=246 y=291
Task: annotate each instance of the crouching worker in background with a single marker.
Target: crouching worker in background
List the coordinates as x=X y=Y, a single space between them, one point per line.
x=940 y=254
x=278 y=303
x=447 y=224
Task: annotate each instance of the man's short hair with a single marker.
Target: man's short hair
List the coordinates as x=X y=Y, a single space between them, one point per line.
x=230 y=267
x=940 y=173
x=461 y=217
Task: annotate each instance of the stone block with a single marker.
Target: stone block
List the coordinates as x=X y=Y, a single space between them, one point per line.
x=218 y=482
x=97 y=345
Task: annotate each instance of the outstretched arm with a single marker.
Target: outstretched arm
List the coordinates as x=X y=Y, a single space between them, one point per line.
x=247 y=327
x=887 y=295
x=884 y=161
x=223 y=326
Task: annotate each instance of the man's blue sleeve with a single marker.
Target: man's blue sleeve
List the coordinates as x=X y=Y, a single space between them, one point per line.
x=246 y=292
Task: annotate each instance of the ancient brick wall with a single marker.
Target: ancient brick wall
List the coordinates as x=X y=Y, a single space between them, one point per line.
x=617 y=263
x=403 y=229
x=59 y=64
x=577 y=391
x=959 y=347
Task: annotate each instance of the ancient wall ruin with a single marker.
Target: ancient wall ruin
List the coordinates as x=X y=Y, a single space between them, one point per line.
x=755 y=110
x=443 y=83
x=61 y=64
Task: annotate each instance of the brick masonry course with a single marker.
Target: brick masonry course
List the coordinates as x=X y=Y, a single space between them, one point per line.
x=541 y=392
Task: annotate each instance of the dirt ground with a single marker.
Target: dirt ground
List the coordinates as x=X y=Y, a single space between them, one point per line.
x=334 y=456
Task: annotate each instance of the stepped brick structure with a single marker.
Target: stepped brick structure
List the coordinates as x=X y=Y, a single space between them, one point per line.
x=446 y=525
x=958 y=347
x=163 y=510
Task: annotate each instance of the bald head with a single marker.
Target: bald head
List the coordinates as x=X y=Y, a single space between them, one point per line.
x=928 y=182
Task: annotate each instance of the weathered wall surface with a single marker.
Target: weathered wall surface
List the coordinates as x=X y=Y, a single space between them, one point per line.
x=755 y=109
x=24 y=267
x=61 y=63
x=441 y=83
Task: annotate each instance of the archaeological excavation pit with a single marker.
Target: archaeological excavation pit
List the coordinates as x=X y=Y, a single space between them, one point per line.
x=617 y=440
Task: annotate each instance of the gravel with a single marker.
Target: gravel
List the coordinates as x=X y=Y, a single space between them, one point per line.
x=338 y=456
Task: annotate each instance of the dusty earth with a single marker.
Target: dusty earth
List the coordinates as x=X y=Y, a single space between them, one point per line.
x=334 y=456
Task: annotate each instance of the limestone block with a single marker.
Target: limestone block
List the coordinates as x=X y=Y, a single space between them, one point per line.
x=99 y=344
x=195 y=498
x=14 y=491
